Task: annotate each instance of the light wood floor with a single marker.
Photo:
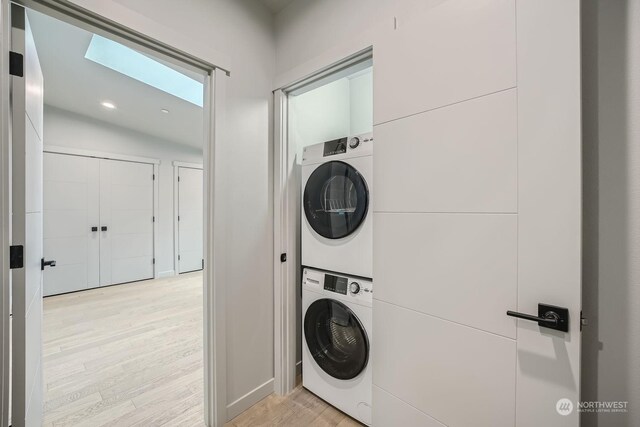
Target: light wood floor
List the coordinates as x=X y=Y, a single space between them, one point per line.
x=131 y=355
x=299 y=409
x=125 y=355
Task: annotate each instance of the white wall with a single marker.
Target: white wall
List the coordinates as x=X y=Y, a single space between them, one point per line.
x=341 y=108
x=67 y=129
x=611 y=125
x=240 y=33
x=361 y=102
x=319 y=115
x=307 y=29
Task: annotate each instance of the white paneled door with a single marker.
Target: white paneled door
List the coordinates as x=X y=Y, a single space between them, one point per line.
x=71 y=220
x=26 y=219
x=98 y=222
x=477 y=212
x=126 y=221
x=190 y=219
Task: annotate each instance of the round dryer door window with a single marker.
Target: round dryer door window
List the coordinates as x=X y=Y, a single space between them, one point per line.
x=336 y=200
x=336 y=339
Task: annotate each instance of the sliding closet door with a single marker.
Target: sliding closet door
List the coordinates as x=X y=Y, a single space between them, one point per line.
x=71 y=211
x=477 y=212
x=190 y=219
x=126 y=222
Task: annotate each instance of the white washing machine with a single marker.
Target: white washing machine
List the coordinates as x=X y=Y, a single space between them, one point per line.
x=337 y=182
x=336 y=349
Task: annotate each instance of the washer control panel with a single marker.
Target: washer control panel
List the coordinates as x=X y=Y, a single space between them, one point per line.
x=351 y=288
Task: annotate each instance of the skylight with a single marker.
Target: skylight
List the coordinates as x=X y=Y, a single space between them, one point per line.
x=144 y=69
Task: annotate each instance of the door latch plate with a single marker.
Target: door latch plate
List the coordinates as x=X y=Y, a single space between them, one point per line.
x=16 y=256
x=561 y=313
x=16 y=64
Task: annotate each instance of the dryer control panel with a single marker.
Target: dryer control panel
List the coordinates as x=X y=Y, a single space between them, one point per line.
x=338 y=149
x=338 y=286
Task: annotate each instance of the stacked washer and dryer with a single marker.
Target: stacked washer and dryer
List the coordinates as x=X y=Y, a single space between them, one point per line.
x=337 y=257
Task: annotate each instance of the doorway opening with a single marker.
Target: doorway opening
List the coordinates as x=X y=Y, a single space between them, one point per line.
x=334 y=104
x=101 y=129
x=115 y=121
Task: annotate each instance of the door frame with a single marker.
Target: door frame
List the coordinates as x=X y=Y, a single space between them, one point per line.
x=176 y=205
x=215 y=81
x=286 y=275
x=5 y=210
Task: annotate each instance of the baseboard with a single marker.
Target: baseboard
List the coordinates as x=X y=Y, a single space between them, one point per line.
x=248 y=400
x=167 y=273
x=299 y=368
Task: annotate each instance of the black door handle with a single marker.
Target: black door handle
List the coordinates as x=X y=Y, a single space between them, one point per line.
x=103 y=228
x=549 y=316
x=94 y=229
x=44 y=264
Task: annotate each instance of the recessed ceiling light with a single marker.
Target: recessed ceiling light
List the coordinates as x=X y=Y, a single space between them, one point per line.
x=164 y=110
x=109 y=105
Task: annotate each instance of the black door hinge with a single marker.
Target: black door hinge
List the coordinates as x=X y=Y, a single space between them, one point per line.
x=153 y=219
x=283 y=257
x=154 y=261
x=153 y=177
x=16 y=64
x=16 y=256
x=203 y=263
x=178 y=257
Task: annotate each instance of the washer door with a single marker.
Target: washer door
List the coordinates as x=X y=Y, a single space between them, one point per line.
x=336 y=339
x=336 y=200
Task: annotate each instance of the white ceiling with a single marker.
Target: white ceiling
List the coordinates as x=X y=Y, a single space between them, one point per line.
x=79 y=85
x=277 y=5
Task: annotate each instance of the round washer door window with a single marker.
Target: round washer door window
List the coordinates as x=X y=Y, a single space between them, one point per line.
x=336 y=200
x=336 y=339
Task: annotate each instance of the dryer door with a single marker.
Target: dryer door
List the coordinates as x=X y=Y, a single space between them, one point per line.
x=336 y=339
x=336 y=199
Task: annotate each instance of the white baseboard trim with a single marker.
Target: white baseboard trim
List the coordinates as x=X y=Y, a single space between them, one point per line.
x=167 y=273
x=299 y=368
x=248 y=400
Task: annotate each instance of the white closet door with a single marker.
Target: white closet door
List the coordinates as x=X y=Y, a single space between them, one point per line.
x=71 y=210
x=26 y=228
x=126 y=222
x=190 y=219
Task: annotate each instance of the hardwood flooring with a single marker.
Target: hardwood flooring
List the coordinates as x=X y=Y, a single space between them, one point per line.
x=131 y=355
x=126 y=355
x=299 y=409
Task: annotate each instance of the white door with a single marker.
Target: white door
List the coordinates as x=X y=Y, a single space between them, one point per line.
x=190 y=219
x=477 y=212
x=71 y=222
x=126 y=222
x=26 y=199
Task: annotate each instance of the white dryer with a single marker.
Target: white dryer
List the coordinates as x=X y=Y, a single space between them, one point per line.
x=336 y=350
x=337 y=182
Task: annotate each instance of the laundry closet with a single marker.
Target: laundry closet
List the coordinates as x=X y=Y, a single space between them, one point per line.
x=330 y=124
